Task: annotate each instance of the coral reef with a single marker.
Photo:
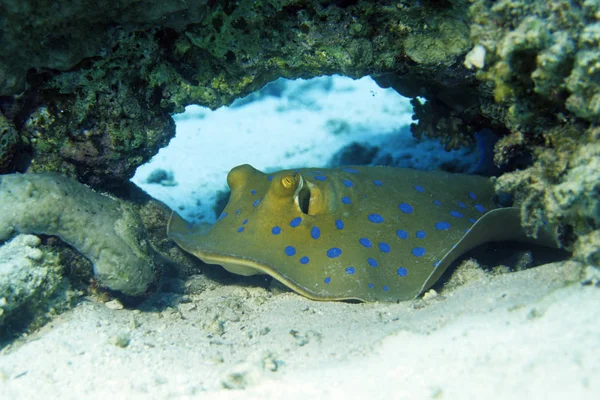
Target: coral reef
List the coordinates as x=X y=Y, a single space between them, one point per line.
x=437 y=120
x=8 y=143
x=97 y=97
x=89 y=91
x=122 y=245
x=31 y=284
x=46 y=35
x=542 y=61
x=107 y=231
x=542 y=57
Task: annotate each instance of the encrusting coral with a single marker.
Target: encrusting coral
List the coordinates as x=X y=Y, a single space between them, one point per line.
x=99 y=107
x=542 y=60
x=8 y=143
x=32 y=285
x=107 y=231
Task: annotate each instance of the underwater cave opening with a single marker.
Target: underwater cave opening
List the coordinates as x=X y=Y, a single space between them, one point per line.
x=327 y=121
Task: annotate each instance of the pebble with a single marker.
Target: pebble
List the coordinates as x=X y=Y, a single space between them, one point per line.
x=114 y=304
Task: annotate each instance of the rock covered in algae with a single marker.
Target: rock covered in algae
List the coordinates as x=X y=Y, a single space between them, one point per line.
x=541 y=56
x=107 y=231
x=8 y=143
x=97 y=102
x=562 y=188
x=31 y=283
x=540 y=61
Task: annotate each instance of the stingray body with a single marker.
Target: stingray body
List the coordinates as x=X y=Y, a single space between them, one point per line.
x=364 y=233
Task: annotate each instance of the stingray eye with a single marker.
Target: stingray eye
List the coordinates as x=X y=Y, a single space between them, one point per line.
x=288 y=181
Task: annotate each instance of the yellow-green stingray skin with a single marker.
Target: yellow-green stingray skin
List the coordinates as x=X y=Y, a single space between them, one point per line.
x=364 y=233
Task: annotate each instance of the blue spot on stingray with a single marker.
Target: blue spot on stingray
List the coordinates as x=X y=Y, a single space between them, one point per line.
x=240 y=229
x=238 y=211
x=437 y=203
x=378 y=182
x=346 y=200
x=375 y=218
x=371 y=286
x=270 y=178
x=461 y=204
x=442 y=226
x=276 y=230
x=295 y=222
x=348 y=183
x=327 y=280
x=255 y=203
x=472 y=220
x=223 y=215
x=472 y=195
x=419 y=188
x=304 y=260
x=245 y=221
x=290 y=250
x=421 y=234
x=365 y=242
x=437 y=263
x=339 y=224
x=405 y=208
x=480 y=208
x=320 y=177
x=350 y=270
x=456 y=214
x=402 y=271
x=334 y=252
x=253 y=191
x=384 y=247
x=418 y=251
x=351 y=170
x=402 y=234
x=315 y=232
x=372 y=262
x=385 y=288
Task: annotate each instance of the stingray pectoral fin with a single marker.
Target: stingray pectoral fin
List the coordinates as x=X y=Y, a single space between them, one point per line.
x=190 y=237
x=179 y=226
x=186 y=235
x=498 y=225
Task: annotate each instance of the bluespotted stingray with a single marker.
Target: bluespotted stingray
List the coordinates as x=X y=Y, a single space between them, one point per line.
x=361 y=233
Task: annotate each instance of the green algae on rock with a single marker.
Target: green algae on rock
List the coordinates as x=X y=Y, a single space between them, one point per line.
x=540 y=60
x=562 y=188
x=97 y=108
x=540 y=55
x=107 y=231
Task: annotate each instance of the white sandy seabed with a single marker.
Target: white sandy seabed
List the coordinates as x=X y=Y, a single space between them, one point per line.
x=533 y=334
x=525 y=335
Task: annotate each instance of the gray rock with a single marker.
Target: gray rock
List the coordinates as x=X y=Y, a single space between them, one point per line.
x=28 y=277
x=105 y=230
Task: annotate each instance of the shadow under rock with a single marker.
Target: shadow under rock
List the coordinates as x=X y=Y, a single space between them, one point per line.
x=511 y=256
